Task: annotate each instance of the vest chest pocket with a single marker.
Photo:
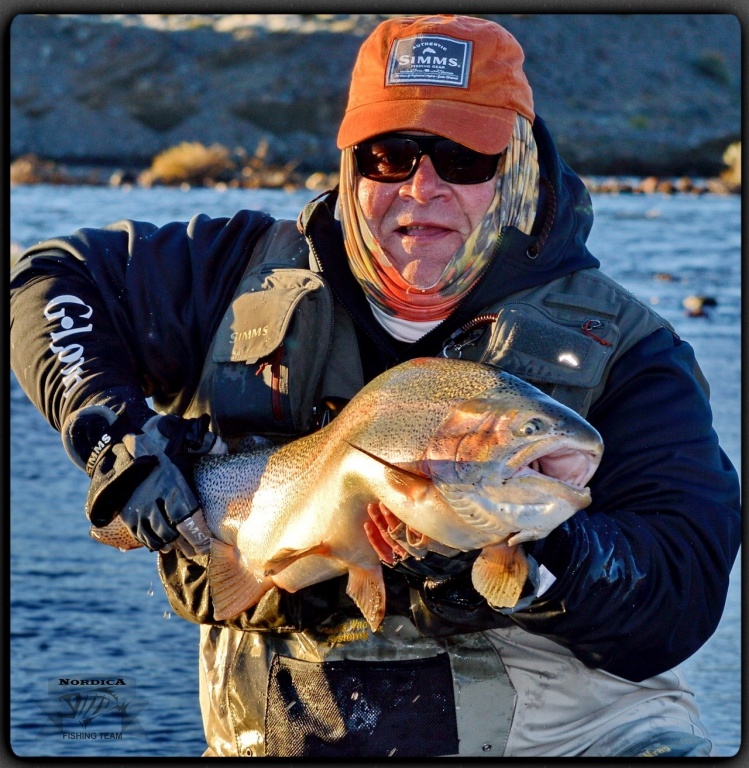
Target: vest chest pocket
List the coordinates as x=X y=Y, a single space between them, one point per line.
x=565 y=357
x=270 y=351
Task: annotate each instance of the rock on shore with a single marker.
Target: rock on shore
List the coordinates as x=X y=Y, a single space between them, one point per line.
x=623 y=94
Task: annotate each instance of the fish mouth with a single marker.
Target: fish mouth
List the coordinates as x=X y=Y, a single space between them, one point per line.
x=564 y=463
x=523 y=497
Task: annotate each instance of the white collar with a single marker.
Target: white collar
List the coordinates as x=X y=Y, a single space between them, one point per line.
x=403 y=330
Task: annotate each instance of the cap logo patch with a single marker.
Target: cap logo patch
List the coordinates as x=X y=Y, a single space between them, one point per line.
x=429 y=60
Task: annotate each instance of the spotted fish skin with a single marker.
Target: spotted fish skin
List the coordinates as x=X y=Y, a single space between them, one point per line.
x=470 y=456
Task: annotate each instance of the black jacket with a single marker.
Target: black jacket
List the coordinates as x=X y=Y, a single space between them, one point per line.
x=642 y=574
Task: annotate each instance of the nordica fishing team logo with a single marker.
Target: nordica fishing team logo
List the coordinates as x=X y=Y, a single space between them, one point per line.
x=91 y=707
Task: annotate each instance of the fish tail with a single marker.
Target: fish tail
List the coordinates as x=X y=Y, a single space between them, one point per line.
x=116 y=534
x=234 y=587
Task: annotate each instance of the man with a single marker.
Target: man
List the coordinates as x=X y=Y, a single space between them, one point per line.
x=456 y=230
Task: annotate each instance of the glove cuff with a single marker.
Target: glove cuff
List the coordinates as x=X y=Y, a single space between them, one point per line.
x=90 y=432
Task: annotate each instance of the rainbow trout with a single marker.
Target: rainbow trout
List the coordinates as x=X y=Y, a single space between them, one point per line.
x=464 y=454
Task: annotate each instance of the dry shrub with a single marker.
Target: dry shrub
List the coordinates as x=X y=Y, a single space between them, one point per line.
x=30 y=169
x=732 y=158
x=189 y=163
x=257 y=172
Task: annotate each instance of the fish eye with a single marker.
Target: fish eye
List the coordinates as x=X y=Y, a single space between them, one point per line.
x=531 y=427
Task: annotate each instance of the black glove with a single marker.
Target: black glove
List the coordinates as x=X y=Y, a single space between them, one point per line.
x=434 y=567
x=142 y=474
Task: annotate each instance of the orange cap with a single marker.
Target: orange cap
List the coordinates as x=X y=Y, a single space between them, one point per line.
x=455 y=76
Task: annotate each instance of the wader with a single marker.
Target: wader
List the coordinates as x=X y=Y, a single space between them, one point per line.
x=282 y=362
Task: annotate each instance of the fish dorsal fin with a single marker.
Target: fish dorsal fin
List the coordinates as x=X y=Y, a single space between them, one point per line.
x=366 y=588
x=115 y=534
x=499 y=574
x=234 y=587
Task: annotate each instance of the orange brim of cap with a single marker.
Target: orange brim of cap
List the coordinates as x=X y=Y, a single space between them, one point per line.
x=483 y=129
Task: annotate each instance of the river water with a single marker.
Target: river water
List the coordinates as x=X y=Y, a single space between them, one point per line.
x=83 y=611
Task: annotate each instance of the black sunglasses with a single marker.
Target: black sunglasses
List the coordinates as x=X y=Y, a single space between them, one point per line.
x=394 y=157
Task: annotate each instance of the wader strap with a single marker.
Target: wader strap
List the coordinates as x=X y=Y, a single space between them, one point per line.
x=343 y=376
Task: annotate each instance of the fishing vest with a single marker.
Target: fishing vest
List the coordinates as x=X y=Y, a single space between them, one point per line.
x=285 y=347
x=282 y=361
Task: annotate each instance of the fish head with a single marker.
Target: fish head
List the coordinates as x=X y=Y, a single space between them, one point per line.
x=513 y=460
x=509 y=461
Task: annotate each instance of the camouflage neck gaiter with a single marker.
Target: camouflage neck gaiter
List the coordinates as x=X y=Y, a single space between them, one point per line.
x=514 y=204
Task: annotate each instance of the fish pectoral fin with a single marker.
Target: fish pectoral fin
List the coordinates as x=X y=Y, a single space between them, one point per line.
x=414 y=487
x=405 y=480
x=366 y=588
x=234 y=587
x=115 y=534
x=285 y=557
x=408 y=468
x=499 y=574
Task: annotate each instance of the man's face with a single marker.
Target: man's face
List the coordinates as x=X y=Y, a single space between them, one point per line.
x=421 y=222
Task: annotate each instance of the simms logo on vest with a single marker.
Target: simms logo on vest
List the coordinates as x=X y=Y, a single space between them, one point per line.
x=250 y=333
x=429 y=60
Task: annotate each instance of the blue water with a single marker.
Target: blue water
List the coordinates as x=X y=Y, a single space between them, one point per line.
x=80 y=610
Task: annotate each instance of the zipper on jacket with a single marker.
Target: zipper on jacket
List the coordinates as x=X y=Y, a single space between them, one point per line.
x=549 y=218
x=331 y=326
x=474 y=330
x=435 y=331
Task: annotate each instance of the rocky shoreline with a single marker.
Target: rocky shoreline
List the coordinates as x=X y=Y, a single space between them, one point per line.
x=98 y=98
x=31 y=169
